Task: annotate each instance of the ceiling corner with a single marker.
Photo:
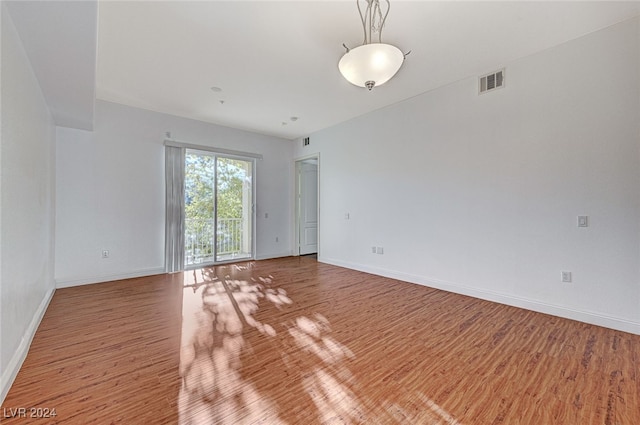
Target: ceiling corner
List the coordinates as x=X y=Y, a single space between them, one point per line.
x=60 y=39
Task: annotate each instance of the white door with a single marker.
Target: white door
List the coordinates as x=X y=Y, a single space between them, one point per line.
x=308 y=207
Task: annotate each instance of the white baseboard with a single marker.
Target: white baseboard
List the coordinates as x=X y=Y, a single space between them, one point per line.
x=10 y=373
x=529 y=304
x=107 y=278
x=270 y=256
x=67 y=283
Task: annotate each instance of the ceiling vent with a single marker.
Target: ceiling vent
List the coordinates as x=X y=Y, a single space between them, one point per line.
x=491 y=82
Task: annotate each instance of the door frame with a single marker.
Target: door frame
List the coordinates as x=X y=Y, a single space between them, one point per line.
x=217 y=154
x=252 y=207
x=296 y=204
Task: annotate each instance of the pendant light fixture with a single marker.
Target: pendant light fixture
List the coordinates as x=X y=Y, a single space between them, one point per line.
x=374 y=63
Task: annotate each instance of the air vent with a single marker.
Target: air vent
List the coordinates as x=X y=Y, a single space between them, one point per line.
x=491 y=82
x=305 y=141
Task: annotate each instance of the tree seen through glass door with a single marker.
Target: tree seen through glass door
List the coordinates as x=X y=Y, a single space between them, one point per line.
x=230 y=228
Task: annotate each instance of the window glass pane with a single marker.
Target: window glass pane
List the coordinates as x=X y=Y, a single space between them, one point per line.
x=234 y=208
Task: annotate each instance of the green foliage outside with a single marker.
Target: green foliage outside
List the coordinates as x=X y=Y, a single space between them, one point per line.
x=199 y=198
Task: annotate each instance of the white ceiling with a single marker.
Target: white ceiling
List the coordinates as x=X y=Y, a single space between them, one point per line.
x=278 y=59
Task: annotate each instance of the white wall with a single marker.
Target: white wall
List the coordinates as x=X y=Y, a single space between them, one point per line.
x=110 y=191
x=27 y=191
x=480 y=194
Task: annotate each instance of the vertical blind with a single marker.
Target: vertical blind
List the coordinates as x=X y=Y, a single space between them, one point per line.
x=174 y=221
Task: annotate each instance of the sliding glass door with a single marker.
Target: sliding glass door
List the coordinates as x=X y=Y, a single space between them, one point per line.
x=218 y=208
x=234 y=208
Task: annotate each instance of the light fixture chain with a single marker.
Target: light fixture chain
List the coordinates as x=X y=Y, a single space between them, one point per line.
x=362 y=18
x=372 y=19
x=382 y=19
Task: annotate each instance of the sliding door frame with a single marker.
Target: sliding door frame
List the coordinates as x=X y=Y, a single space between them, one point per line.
x=200 y=150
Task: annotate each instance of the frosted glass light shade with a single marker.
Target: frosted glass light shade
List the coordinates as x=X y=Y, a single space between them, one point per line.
x=375 y=62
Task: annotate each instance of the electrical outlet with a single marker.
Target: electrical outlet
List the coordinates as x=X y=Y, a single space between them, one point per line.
x=266 y=215
x=380 y=250
x=276 y=239
x=566 y=277
x=346 y=216
x=373 y=249
x=105 y=253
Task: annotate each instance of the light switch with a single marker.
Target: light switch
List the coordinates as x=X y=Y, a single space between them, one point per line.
x=583 y=221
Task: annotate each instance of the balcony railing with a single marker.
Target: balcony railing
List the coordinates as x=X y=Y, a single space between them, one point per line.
x=199 y=240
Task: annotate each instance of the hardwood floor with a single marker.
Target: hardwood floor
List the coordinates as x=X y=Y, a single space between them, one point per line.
x=293 y=341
